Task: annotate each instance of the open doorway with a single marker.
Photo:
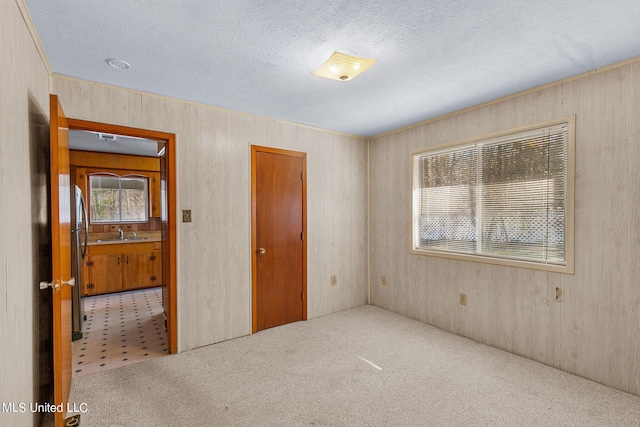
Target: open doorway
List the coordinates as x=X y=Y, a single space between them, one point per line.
x=127 y=294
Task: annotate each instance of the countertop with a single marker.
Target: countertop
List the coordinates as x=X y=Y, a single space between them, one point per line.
x=112 y=239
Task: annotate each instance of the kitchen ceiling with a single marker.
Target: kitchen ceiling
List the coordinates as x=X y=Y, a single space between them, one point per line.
x=433 y=57
x=110 y=143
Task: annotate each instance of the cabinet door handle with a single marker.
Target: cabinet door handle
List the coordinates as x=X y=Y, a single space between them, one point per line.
x=118 y=260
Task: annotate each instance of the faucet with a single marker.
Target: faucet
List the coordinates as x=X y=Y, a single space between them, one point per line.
x=121 y=233
x=135 y=236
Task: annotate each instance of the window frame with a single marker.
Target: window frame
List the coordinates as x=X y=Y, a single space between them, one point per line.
x=568 y=267
x=118 y=174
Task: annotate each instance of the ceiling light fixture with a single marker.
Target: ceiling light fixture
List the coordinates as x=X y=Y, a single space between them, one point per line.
x=107 y=137
x=341 y=66
x=119 y=64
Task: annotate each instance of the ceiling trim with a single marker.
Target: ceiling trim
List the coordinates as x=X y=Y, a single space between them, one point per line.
x=26 y=16
x=168 y=98
x=512 y=96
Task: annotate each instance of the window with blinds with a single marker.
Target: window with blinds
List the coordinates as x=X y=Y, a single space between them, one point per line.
x=504 y=198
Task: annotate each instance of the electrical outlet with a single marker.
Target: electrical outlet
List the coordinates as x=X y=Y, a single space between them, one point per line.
x=559 y=294
x=384 y=280
x=463 y=299
x=334 y=280
x=186 y=215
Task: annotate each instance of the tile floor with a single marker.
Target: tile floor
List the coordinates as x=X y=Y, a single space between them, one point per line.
x=121 y=328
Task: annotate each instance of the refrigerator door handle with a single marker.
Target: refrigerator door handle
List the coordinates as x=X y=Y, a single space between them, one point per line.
x=86 y=226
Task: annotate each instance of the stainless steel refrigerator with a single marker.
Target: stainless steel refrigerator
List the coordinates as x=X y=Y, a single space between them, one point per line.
x=79 y=236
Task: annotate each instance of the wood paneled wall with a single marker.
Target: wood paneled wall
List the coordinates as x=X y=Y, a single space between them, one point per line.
x=214 y=251
x=25 y=249
x=595 y=332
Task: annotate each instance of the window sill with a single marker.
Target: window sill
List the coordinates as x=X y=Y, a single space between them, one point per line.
x=566 y=269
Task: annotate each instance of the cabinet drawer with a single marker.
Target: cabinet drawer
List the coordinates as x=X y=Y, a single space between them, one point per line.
x=110 y=249
x=136 y=247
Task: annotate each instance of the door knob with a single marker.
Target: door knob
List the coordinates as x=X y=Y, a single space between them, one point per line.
x=57 y=283
x=262 y=251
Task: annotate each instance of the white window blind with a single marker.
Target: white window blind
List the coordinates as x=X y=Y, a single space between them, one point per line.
x=502 y=198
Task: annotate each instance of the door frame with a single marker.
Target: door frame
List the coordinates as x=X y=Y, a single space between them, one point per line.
x=254 y=234
x=171 y=222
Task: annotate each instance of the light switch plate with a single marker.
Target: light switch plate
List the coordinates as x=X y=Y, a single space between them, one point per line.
x=186 y=215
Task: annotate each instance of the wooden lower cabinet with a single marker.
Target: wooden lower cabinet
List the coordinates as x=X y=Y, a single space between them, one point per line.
x=140 y=270
x=121 y=267
x=156 y=268
x=105 y=274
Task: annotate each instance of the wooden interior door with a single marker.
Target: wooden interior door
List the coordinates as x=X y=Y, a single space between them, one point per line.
x=166 y=260
x=60 y=256
x=278 y=228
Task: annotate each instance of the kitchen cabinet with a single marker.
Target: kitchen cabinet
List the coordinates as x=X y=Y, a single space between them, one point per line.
x=156 y=203
x=140 y=270
x=103 y=274
x=102 y=270
x=156 y=266
x=119 y=267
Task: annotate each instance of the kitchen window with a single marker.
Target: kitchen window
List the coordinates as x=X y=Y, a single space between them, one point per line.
x=505 y=199
x=118 y=199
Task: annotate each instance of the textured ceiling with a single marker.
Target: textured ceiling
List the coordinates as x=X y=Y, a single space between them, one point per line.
x=434 y=56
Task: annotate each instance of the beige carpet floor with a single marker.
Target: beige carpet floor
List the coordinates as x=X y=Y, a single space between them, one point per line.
x=360 y=367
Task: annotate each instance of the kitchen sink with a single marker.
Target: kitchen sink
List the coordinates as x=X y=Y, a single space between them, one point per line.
x=128 y=239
